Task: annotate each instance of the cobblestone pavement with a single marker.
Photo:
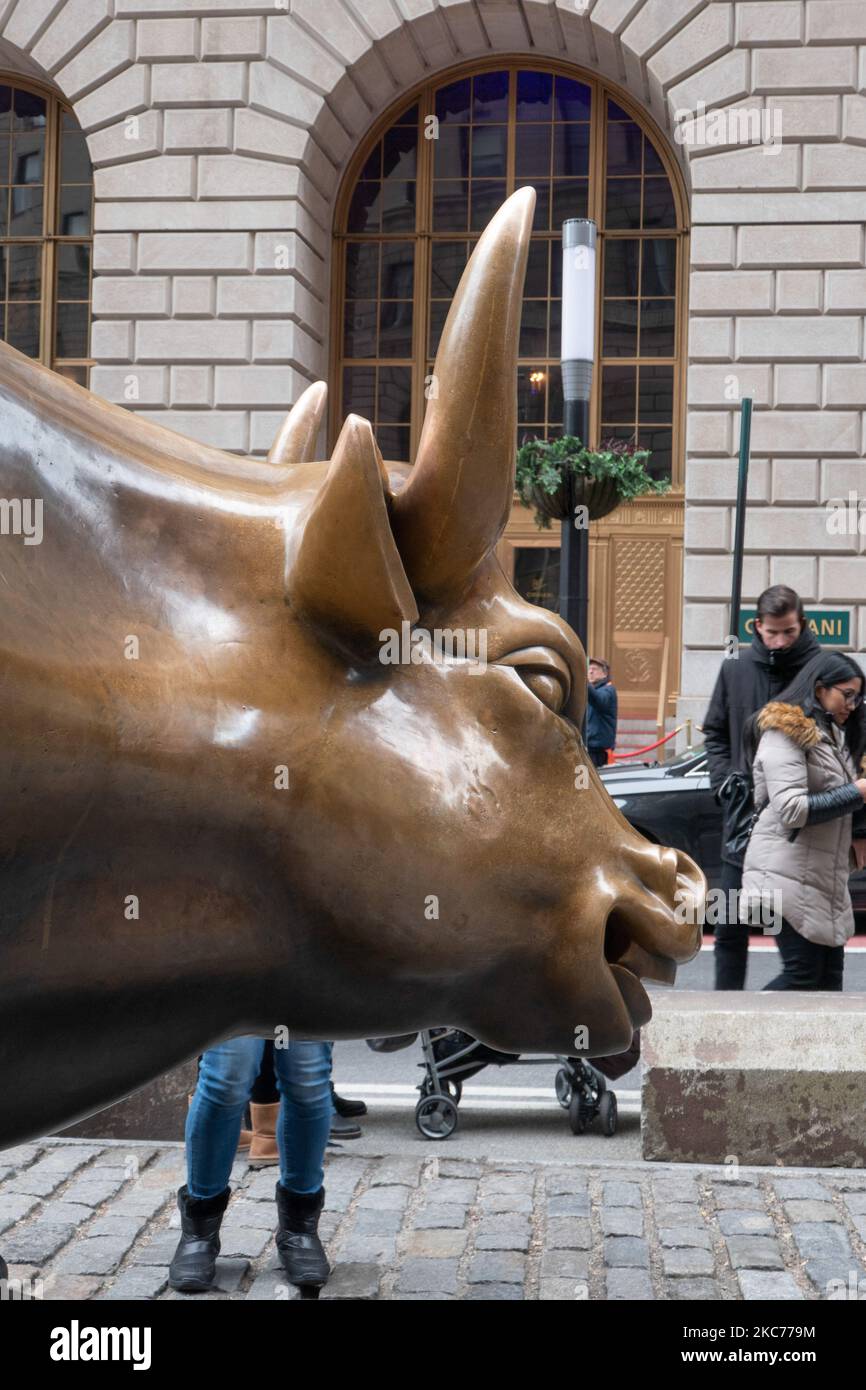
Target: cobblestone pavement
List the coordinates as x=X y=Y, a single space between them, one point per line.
x=95 y=1220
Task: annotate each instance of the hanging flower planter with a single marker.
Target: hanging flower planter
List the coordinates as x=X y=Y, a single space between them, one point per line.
x=600 y=479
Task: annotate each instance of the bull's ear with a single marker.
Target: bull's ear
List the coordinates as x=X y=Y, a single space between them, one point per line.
x=296 y=440
x=348 y=578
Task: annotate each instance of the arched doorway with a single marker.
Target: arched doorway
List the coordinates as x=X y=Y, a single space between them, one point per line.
x=46 y=228
x=415 y=197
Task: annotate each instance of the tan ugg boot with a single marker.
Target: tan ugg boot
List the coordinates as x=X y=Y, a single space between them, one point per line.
x=246 y=1135
x=263 y=1146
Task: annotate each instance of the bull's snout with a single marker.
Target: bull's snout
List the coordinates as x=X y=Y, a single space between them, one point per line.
x=655 y=922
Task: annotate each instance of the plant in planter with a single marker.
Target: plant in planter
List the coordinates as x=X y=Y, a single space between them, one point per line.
x=599 y=479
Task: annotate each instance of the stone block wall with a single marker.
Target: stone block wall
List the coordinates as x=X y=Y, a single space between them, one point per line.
x=776 y=313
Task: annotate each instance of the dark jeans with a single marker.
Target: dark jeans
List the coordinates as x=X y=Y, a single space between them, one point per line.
x=806 y=964
x=225 y=1080
x=264 y=1090
x=598 y=756
x=731 y=948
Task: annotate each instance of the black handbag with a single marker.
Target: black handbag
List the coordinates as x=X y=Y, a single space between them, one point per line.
x=736 y=798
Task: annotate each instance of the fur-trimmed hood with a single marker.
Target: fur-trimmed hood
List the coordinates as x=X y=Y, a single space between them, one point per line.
x=793 y=721
x=790 y=720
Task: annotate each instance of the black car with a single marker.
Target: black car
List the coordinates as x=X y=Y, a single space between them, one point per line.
x=671 y=803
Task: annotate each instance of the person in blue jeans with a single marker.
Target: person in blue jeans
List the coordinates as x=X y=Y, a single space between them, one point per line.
x=226 y=1077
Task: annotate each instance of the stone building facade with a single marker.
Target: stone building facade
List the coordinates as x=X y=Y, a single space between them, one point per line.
x=220 y=130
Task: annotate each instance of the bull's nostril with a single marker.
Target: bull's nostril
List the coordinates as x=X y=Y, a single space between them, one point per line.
x=623 y=951
x=617 y=939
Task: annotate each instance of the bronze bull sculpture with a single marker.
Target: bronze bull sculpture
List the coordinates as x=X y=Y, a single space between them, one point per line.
x=223 y=813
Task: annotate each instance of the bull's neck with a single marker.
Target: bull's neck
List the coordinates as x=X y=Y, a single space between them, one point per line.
x=171 y=550
x=151 y=604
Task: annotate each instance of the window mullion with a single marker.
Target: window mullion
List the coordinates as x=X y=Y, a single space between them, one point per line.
x=51 y=174
x=511 y=138
x=595 y=210
x=421 y=277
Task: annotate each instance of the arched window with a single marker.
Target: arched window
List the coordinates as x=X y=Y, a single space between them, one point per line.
x=410 y=212
x=46 y=229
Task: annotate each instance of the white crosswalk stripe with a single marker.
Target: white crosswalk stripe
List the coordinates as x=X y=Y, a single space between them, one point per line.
x=399 y=1096
x=770 y=944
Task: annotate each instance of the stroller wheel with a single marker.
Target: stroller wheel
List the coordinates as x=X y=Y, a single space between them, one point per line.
x=562 y=1084
x=607 y=1112
x=579 y=1113
x=436 y=1116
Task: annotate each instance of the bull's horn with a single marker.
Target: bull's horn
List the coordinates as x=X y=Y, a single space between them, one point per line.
x=348 y=578
x=458 y=498
x=296 y=440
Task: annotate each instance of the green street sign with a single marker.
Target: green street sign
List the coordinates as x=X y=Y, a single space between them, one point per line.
x=831 y=626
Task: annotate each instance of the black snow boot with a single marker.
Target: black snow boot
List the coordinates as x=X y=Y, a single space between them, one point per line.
x=194 y=1264
x=348 y=1109
x=301 y=1251
x=343 y=1129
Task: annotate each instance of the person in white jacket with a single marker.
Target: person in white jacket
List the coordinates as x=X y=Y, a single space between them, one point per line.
x=806 y=749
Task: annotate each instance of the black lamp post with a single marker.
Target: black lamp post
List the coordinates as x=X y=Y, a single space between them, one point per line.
x=578 y=352
x=740 y=515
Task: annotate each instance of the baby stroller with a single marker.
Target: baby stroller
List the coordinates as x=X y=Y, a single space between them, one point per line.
x=451 y=1056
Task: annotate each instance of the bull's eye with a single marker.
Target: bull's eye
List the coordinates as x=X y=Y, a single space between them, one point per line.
x=549 y=689
x=545 y=673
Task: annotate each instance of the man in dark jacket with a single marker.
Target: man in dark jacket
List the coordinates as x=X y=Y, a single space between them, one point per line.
x=781 y=646
x=600 y=711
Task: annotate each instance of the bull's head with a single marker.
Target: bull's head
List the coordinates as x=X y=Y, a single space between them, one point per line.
x=314 y=833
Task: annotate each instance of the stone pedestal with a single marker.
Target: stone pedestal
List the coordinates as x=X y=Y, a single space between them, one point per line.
x=772 y=1078
x=156 y=1111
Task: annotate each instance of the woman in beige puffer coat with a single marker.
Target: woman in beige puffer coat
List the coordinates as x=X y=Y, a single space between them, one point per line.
x=807 y=749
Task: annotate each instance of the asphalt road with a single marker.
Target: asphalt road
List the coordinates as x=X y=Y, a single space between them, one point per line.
x=512 y=1112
